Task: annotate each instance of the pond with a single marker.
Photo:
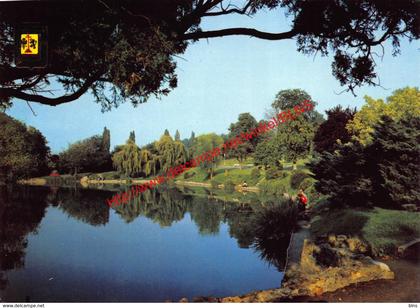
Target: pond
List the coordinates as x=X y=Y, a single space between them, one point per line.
x=66 y=244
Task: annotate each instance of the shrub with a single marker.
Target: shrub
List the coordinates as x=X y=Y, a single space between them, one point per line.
x=273 y=187
x=279 y=165
x=214 y=184
x=307 y=183
x=229 y=186
x=273 y=227
x=255 y=174
x=297 y=178
x=274 y=173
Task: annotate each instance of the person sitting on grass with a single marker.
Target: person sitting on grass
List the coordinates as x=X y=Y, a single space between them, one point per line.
x=244 y=184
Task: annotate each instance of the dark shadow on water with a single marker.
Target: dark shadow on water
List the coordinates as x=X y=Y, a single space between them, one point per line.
x=21 y=211
x=264 y=227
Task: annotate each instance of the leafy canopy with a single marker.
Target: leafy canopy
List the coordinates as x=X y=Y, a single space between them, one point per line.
x=23 y=150
x=126 y=50
x=333 y=131
x=402 y=102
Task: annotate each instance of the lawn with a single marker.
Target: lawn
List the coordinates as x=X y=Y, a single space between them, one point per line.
x=383 y=229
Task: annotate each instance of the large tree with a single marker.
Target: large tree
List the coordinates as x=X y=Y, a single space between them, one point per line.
x=395 y=155
x=23 y=150
x=333 y=131
x=170 y=153
x=131 y=46
x=245 y=124
x=206 y=143
x=294 y=137
x=88 y=155
x=383 y=173
x=399 y=104
x=268 y=152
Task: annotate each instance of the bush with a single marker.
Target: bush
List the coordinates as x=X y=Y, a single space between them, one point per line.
x=297 y=178
x=279 y=165
x=307 y=183
x=274 y=173
x=214 y=184
x=273 y=187
x=229 y=186
x=255 y=174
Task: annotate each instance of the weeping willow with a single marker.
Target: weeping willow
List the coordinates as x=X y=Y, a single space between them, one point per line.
x=171 y=153
x=129 y=159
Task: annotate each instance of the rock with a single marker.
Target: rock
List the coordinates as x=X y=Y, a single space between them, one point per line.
x=341 y=237
x=356 y=245
x=326 y=256
x=381 y=265
x=206 y=299
x=324 y=267
x=332 y=239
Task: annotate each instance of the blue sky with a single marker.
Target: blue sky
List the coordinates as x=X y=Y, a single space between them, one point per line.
x=217 y=80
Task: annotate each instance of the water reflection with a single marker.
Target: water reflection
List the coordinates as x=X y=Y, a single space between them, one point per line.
x=262 y=226
x=21 y=211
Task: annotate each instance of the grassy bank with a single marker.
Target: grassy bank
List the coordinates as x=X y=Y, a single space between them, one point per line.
x=384 y=230
x=229 y=172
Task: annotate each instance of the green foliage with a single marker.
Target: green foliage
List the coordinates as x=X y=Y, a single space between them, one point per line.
x=245 y=124
x=177 y=136
x=344 y=176
x=206 y=143
x=288 y=99
x=383 y=229
x=275 y=173
x=294 y=137
x=255 y=174
x=134 y=58
x=229 y=186
x=297 y=178
x=333 y=130
x=395 y=156
x=132 y=136
x=170 y=153
x=88 y=155
x=273 y=227
x=273 y=187
x=188 y=175
x=307 y=183
x=385 y=173
x=268 y=153
x=106 y=140
x=23 y=150
x=214 y=184
x=402 y=102
x=129 y=159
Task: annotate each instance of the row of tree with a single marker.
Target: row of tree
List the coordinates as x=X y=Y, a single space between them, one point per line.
x=371 y=157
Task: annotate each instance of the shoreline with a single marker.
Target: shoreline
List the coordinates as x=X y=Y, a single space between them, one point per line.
x=83 y=182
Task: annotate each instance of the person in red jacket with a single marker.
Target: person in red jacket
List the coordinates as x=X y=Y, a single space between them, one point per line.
x=303 y=200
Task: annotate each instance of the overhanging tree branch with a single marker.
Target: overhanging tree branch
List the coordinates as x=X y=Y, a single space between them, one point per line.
x=48 y=100
x=239 y=31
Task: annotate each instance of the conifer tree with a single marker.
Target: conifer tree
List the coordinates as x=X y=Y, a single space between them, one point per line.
x=132 y=136
x=395 y=157
x=177 y=136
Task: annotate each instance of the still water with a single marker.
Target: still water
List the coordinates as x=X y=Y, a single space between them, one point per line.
x=66 y=244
